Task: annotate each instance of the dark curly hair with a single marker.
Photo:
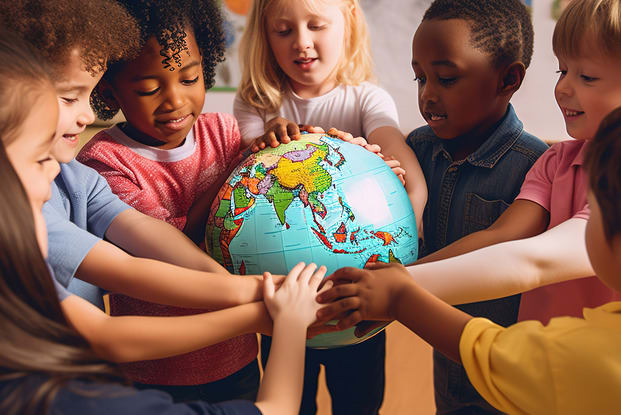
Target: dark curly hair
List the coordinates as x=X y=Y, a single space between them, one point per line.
x=167 y=20
x=100 y=29
x=603 y=162
x=502 y=28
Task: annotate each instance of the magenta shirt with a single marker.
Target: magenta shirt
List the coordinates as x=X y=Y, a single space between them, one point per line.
x=164 y=184
x=559 y=184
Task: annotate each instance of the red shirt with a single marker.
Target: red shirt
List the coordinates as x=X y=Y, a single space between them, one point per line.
x=164 y=184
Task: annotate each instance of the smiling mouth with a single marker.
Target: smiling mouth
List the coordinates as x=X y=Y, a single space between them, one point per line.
x=432 y=116
x=304 y=61
x=571 y=113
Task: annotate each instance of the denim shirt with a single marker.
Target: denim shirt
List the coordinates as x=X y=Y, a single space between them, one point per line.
x=468 y=195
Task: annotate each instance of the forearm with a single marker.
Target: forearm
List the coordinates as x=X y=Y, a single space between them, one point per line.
x=133 y=338
x=281 y=388
x=436 y=322
x=110 y=268
x=509 y=268
x=147 y=237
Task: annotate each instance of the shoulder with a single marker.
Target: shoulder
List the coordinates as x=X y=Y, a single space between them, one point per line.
x=217 y=125
x=529 y=145
x=422 y=136
x=75 y=176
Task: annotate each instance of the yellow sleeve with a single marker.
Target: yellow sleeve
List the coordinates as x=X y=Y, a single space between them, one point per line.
x=510 y=367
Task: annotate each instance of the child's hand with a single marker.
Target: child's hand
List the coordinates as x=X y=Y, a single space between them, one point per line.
x=295 y=299
x=371 y=294
x=277 y=130
x=392 y=162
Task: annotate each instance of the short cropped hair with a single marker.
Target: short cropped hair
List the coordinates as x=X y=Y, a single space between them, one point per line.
x=594 y=20
x=100 y=30
x=603 y=162
x=501 y=28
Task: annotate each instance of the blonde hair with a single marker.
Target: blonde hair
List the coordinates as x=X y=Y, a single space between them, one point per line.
x=263 y=81
x=598 y=20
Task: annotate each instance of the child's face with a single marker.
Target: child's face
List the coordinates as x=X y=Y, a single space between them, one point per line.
x=589 y=88
x=160 y=103
x=605 y=256
x=457 y=83
x=75 y=113
x=307 y=45
x=30 y=155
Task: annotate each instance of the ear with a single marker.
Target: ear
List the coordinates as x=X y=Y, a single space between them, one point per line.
x=512 y=77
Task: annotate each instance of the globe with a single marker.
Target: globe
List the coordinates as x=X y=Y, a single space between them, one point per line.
x=318 y=199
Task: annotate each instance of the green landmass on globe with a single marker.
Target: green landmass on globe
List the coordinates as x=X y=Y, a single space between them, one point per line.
x=317 y=199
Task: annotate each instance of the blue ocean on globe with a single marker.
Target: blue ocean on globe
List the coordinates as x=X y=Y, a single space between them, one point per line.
x=318 y=199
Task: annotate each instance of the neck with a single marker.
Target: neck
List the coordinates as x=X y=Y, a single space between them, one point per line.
x=462 y=146
x=146 y=139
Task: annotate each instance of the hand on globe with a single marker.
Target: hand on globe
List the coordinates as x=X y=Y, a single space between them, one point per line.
x=371 y=295
x=277 y=130
x=295 y=301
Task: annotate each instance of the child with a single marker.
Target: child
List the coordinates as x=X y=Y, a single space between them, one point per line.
x=541 y=229
x=29 y=101
x=570 y=366
x=46 y=366
x=309 y=62
x=56 y=27
x=474 y=151
x=167 y=161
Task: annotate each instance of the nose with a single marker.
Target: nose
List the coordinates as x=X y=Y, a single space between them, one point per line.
x=173 y=99
x=563 y=87
x=426 y=94
x=303 y=40
x=52 y=168
x=86 y=115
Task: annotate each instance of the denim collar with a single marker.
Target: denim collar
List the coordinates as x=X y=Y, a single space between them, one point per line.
x=496 y=145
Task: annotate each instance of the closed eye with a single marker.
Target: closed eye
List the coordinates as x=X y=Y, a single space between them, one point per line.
x=190 y=81
x=147 y=93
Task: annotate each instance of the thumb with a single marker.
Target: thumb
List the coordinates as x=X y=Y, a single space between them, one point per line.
x=268 y=285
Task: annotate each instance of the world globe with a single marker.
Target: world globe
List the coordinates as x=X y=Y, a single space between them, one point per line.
x=318 y=199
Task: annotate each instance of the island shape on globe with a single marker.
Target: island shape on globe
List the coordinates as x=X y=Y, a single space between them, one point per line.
x=318 y=199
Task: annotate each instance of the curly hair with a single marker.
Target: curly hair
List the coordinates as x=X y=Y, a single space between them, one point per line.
x=167 y=20
x=502 y=28
x=603 y=162
x=100 y=29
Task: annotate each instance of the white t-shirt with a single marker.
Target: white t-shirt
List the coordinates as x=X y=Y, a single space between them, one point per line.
x=358 y=110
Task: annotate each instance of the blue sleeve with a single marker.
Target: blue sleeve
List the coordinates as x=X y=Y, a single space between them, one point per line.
x=113 y=399
x=103 y=205
x=67 y=243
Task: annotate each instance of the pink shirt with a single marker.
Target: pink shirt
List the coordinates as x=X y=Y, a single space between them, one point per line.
x=559 y=184
x=164 y=184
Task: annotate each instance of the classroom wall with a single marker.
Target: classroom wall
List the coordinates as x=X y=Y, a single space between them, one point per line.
x=392 y=24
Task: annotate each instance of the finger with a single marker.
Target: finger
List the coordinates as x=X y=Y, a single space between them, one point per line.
x=399 y=171
x=268 y=285
x=338 y=308
x=347 y=273
x=280 y=136
x=376 y=265
x=254 y=148
x=325 y=287
x=350 y=320
x=293 y=131
x=359 y=141
x=338 y=292
x=392 y=162
x=292 y=276
x=317 y=278
x=373 y=148
x=306 y=273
